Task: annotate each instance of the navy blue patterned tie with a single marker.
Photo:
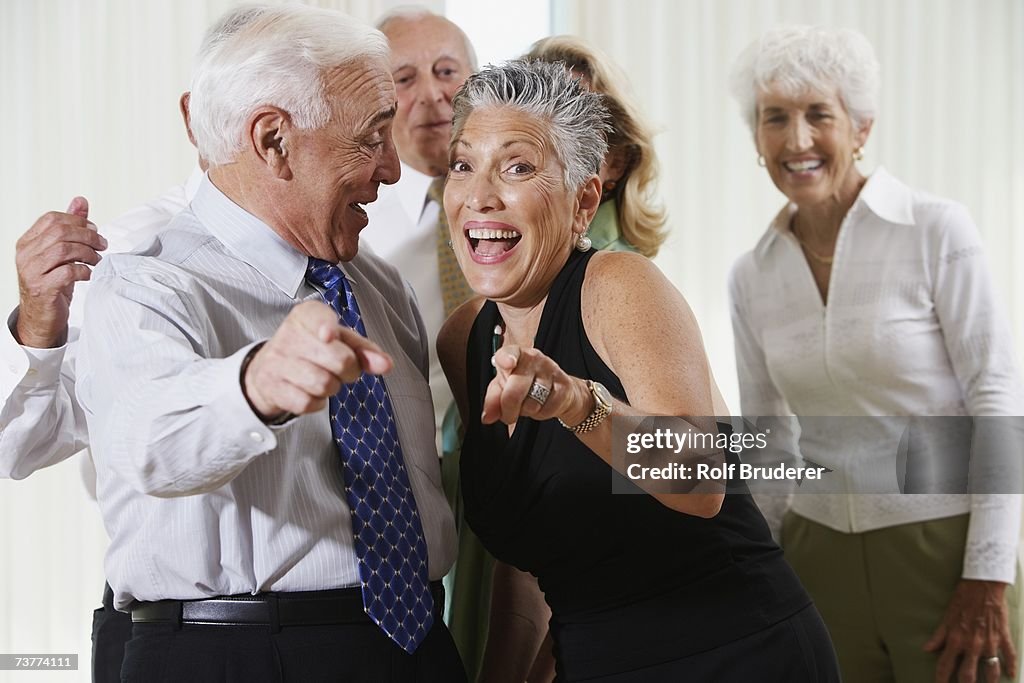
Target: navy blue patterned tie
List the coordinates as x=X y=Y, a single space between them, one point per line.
x=389 y=540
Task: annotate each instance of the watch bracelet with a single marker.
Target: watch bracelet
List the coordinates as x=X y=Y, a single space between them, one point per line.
x=596 y=416
x=592 y=421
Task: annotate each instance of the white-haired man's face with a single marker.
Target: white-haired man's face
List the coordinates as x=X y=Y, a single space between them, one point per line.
x=338 y=168
x=429 y=62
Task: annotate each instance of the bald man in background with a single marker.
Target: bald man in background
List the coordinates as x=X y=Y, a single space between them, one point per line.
x=430 y=59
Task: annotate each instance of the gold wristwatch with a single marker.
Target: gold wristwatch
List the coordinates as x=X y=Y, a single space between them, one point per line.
x=602 y=409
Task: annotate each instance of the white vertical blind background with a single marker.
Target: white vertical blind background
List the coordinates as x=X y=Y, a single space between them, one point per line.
x=951 y=122
x=89 y=107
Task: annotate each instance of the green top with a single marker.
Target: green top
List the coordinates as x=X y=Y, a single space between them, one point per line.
x=604 y=230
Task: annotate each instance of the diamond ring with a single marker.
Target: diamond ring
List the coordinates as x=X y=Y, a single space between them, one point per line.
x=539 y=393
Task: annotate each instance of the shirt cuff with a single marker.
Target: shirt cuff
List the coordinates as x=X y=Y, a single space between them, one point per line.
x=992 y=538
x=258 y=436
x=25 y=366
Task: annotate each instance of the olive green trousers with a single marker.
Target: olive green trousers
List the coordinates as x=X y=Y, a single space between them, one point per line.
x=882 y=593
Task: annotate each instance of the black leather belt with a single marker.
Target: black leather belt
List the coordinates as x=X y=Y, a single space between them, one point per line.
x=313 y=608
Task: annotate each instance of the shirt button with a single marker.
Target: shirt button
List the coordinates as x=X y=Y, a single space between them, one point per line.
x=256 y=436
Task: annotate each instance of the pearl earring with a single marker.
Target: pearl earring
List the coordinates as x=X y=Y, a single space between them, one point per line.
x=583 y=243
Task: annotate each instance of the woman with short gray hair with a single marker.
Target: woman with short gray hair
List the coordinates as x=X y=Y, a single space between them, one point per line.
x=866 y=298
x=657 y=586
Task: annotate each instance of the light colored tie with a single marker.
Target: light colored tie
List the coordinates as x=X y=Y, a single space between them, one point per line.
x=454 y=288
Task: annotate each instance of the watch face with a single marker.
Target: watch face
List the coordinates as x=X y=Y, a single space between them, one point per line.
x=602 y=394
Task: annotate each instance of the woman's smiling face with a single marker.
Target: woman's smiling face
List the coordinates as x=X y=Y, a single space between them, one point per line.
x=808 y=142
x=513 y=221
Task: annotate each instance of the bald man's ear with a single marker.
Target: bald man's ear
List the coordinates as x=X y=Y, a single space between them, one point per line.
x=183 y=103
x=268 y=135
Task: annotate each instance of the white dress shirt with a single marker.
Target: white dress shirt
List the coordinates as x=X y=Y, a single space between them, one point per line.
x=403 y=231
x=911 y=328
x=199 y=497
x=40 y=420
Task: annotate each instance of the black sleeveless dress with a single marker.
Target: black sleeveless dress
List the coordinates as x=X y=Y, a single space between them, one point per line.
x=631 y=583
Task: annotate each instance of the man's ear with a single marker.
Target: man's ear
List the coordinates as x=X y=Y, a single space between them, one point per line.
x=588 y=199
x=183 y=103
x=269 y=130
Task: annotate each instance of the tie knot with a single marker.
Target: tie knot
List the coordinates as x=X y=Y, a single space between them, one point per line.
x=325 y=274
x=436 y=191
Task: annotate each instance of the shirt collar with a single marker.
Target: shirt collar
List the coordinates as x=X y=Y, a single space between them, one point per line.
x=192 y=185
x=778 y=226
x=888 y=198
x=882 y=194
x=249 y=238
x=412 y=191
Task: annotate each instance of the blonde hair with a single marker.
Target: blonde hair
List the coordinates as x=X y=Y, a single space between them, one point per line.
x=641 y=216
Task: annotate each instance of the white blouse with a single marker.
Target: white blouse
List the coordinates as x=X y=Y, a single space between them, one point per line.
x=911 y=328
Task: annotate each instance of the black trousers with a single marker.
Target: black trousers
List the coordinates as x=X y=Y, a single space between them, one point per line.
x=110 y=631
x=356 y=653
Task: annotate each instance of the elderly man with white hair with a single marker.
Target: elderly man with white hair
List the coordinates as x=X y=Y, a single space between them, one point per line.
x=256 y=391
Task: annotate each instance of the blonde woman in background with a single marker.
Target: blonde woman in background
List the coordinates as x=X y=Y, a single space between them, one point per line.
x=868 y=298
x=630 y=218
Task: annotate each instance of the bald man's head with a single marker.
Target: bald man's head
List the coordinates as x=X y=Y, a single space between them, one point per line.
x=430 y=59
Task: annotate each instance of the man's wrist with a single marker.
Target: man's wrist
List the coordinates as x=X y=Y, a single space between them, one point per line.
x=271 y=421
x=25 y=336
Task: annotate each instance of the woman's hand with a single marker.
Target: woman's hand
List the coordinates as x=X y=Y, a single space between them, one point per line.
x=509 y=396
x=976 y=628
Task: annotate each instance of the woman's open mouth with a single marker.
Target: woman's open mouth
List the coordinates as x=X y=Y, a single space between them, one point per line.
x=492 y=244
x=803 y=169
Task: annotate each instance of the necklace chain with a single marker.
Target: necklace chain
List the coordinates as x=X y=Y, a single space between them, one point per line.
x=824 y=260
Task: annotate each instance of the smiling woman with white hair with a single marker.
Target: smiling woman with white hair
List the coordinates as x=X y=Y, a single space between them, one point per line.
x=868 y=298
x=662 y=585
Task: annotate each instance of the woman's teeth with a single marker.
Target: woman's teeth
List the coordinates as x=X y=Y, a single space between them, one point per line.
x=481 y=234
x=801 y=166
